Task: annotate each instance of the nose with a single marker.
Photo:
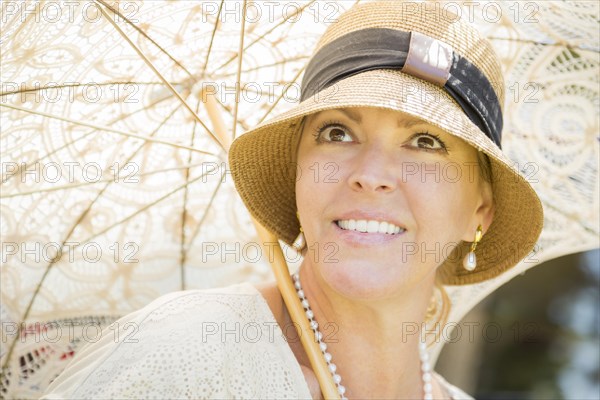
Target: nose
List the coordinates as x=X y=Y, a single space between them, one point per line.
x=373 y=170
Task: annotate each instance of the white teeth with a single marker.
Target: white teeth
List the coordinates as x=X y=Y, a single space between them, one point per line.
x=383 y=227
x=372 y=226
x=361 y=225
x=391 y=229
x=369 y=226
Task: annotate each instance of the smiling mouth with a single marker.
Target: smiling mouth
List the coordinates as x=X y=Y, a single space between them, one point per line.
x=369 y=226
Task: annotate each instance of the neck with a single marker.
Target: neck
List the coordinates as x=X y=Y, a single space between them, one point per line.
x=374 y=343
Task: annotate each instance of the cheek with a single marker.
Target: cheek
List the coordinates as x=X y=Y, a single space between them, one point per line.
x=315 y=183
x=442 y=203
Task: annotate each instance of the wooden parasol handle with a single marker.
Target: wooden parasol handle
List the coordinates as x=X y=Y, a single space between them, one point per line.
x=282 y=275
x=292 y=302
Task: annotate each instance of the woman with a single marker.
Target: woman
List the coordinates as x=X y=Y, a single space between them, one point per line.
x=400 y=188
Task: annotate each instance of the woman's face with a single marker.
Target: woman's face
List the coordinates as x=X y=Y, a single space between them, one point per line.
x=416 y=190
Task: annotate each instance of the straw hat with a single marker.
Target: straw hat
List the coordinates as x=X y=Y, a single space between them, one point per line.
x=393 y=55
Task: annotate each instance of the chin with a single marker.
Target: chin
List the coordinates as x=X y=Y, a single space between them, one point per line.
x=360 y=280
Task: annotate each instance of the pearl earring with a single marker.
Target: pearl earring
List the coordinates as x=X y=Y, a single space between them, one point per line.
x=470 y=261
x=300 y=241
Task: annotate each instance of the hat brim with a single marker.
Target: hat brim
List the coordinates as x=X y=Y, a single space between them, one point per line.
x=262 y=163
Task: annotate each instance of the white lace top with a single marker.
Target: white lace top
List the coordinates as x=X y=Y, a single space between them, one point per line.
x=219 y=343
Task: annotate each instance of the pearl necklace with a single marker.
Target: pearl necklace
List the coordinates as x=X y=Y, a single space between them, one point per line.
x=337 y=379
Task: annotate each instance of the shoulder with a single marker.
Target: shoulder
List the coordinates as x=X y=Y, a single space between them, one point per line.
x=237 y=295
x=226 y=302
x=214 y=343
x=454 y=392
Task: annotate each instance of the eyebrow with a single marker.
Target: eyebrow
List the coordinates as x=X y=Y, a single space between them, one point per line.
x=402 y=122
x=353 y=115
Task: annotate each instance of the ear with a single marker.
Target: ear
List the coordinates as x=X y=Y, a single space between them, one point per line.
x=484 y=213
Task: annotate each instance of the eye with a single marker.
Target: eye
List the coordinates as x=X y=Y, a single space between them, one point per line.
x=331 y=131
x=428 y=141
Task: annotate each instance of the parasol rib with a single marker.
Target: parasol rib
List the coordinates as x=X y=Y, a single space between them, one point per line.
x=267 y=113
x=193 y=79
x=182 y=250
x=107 y=129
x=561 y=43
x=80 y=184
x=127 y=20
x=239 y=70
x=141 y=32
x=157 y=72
x=261 y=37
x=212 y=38
x=205 y=213
x=268 y=65
x=67 y=144
x=78 y=84
x=144 y=208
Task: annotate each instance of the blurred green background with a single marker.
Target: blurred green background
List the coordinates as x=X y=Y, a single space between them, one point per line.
x=537 y=337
